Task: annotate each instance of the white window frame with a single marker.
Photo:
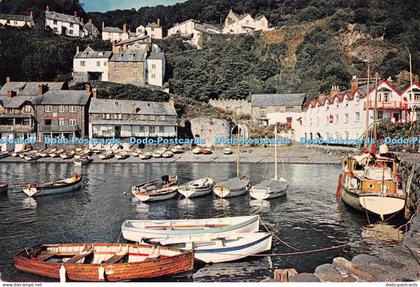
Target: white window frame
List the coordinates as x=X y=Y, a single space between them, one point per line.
x=61 y=122
x=48 y=109
x=72 y=109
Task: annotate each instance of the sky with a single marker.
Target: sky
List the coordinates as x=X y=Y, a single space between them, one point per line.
x=106 y=5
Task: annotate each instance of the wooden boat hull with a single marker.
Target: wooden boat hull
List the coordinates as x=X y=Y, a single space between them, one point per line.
x=269 y=189
x=146 y=197
x=136 y=232
x=81 y=162
x=35 y=192
x=224 y=191
x=379 y=205
x=190 y=190
x=178 y=262
x=3 y=187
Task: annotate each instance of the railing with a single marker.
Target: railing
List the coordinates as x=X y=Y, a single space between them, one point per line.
x=16 y=128
x=55 y=129
x=386 y=105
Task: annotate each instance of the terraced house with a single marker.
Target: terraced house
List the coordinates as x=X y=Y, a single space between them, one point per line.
x=110 y=118
x=17 y=20
x=62 y=114
x=18 y=102
x=63 y=24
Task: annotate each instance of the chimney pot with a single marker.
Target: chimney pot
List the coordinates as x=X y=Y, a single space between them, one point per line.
x=11 y=94
x=95 y=93
x=77 y=49
x=87 y=88
x=31 y=14
x=354 y=85
x=158 y=22
x=125 y=28
x=7 y=79
x=172 y=101
x=48 y=8
x=42 y=89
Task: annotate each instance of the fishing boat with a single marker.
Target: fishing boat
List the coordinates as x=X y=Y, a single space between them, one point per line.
x=197 y=150
x=121 y=155
x=103 y=261
x=218 y=248
x=270 y=188
x=145 y=156
x=159 y=189
x=233 y=187
x=4 y=187
x=137 y=230
x=42 y=153
x=4 y=154
x=227 y=151
x=106 y=155
x=369 y=181
x=83 y=161
x=56 y=187
x=157 y=154
x=196 y=188
x=177 y=149
x=167 y=154
x=66 y=155
x=135 y=154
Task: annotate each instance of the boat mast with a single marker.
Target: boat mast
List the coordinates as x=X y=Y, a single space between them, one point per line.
x=375 y=112
x=275 y=152
x=411 y=83
x=238 y=156
x=367 y=105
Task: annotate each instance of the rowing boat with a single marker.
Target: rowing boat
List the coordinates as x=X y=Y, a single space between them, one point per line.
x=103 y=261
x=106 y=155
x=55 y=187
x=83 y=161
x=233 y=187
x=137 y=230
x=196 y=188
x=159 y=189
x=217 y=248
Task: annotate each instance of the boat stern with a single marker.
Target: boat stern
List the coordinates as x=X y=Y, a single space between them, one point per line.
x=221 y=191
x=30 y=190
x=382 y=205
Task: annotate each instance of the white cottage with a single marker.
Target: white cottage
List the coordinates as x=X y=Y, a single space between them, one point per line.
x=63 y=24
x=240 y=24
x=17 y=20
x=155 y=69
x=91 y=65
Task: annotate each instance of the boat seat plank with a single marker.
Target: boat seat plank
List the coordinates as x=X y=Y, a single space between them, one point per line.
x=46 y=256
x=80 y=256
x=184 y=226
x=116 y=258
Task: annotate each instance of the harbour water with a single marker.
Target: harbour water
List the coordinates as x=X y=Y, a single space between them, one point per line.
x=309 y=217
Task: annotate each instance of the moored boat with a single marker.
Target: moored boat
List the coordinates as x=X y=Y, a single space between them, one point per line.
x=56 y=187
x=232 y=187
x=103 y=261
x=227 y=151
x=83 y=161
x=217 y=248
x=66 y=155
x=167 y=154
x=4 y=154
x=136 y=230
x=206 y=151
x=196 y=188
x=177 y=149
x=4 y=186
x=106 y=155
x=145 y=156
x=159 y=189
x=197 y=150
x=121 y=155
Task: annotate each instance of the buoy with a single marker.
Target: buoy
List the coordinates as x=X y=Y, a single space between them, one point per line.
x=62 y=274
x=339 y=184
x=101 y=272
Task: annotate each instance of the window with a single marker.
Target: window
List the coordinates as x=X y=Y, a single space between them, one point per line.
x=153 y=76
x=61 y=109
x=72 y=109
x=346 y=118
x=162 y=118
x=357 y=116
x=48 y=109
x=55 y=29
x=142 y=129
x=161 y=129
x=386 y=97
x=153 y=66
x=71 y=25
x=105 y=64
x=152 y=129
x=263 y=113
x=82 y=63
x=70 y=32
x=47 y=122
x=27 y=109
x=61 y=122
x=98 y=63
x=72 y=122
x=55 y=22
x=336 y=119
x=120 y=116
x=108 y=116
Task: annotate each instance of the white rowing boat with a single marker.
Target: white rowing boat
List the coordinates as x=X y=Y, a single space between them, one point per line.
x=137 y=230
x=159 y=189
x=56 y=187
x=196 y=188
x=217 y=248
x=233 y=187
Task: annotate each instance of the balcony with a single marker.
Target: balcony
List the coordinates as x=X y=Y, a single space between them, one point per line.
x=58 y=129
x=16 y=128
x=385 y=105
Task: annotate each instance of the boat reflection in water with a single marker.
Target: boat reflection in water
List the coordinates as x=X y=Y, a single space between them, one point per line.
x=186 y=203
x=29 y=203
x=142 y=207
x=221 y=204
x=260 y=205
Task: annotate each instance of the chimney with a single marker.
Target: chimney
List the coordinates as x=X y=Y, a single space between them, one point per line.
x=11 y=94
x=133 y=108
x=77 y=49
x=354 y=85
x=172 y=101
x=48 y=8
x=87 y=88
x=158 y=22
x=75 y=14
x=103 y=25
x=95 y=93
x=7 y=79
x=31 y=14
x=125 y=28
x=42 y=89
x=334 y=90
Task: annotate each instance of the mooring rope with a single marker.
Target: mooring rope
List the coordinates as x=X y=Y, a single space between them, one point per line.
x=276 y=237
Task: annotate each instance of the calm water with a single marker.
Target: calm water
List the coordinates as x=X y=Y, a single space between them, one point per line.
x=309 y=217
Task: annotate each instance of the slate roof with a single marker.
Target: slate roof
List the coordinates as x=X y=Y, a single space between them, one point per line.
x=63 y=17
x=157 y=56
x=91 y=28
x=29 y=88
x=69 y=97
x=133 y=40
x=134 y=122
x=93 y=54
x=209 y=28
x=16 y=17
x=153 y=25
x=129 y=56
x=113 y=106
x=112 y=30
x=18 y=101
x=279 y=100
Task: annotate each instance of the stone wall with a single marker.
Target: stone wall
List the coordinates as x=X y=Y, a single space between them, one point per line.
x=209 y=128
x=126 y=73
x=237 y=107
